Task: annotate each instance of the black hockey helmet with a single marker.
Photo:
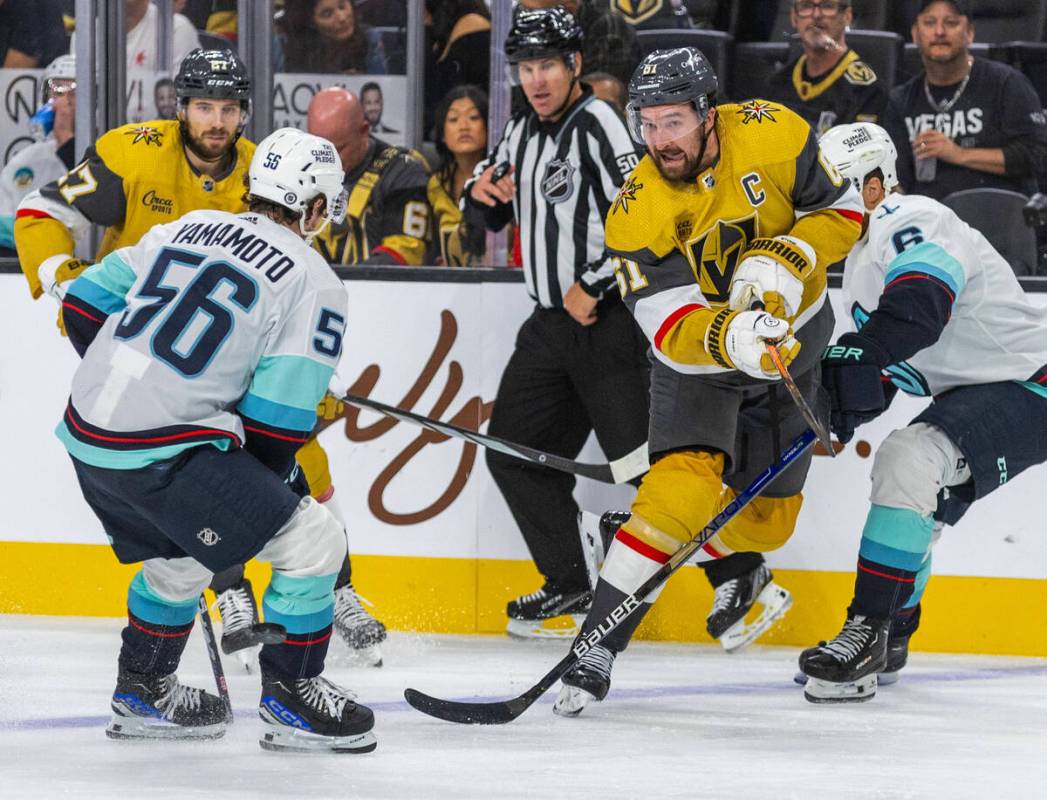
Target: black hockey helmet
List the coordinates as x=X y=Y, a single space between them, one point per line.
x=218 y=74
x=670 y=77
x=541 y=33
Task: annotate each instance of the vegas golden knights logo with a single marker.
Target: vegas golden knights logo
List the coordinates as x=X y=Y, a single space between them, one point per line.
x=714 y=255
x=636 y=11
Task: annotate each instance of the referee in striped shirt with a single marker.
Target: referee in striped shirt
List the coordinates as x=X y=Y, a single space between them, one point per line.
x=580 y=362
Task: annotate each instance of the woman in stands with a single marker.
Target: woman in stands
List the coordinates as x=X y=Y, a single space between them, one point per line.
x=461 y=140
x=325 y=36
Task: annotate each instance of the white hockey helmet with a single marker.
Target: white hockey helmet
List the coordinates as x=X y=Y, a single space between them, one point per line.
x=858 y=149
x=291 y=167
x=62 y=68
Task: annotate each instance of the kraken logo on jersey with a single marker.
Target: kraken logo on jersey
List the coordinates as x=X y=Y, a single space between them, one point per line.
x=714 y=254
x=145 y=133
x=626 y=195
x=757 y=111
x=636 y=11
x=558 y=183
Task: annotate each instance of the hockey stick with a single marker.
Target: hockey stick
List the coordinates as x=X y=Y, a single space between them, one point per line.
x=216 y=660
x=621 y=470
x=502 y=711
x=794 y=391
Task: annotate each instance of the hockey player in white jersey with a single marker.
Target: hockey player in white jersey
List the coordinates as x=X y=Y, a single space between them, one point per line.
x=52 y=155
x=206 y=347
x=938 y=313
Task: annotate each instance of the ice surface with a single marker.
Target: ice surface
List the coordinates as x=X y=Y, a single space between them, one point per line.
x=680 y=721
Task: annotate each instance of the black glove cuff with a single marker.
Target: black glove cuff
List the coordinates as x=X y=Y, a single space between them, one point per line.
x=873 y=351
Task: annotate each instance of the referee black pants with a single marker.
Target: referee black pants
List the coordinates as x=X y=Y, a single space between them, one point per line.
x=563 y=381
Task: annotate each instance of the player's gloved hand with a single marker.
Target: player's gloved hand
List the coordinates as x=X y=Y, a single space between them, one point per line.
x=852 y=377
x=772 y=272
x=330 y=408
x=745 y=339
x=56 y=272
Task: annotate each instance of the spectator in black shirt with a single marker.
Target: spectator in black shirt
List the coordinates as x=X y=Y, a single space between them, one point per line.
x=827 y=84
x=964 y=122
x=656 y=16
x=610 y=44
x=31 y=33
x=459 y=49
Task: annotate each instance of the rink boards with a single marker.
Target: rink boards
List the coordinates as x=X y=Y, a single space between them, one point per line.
x=434 y=545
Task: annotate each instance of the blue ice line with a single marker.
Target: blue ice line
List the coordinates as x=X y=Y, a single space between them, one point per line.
x=989 y=673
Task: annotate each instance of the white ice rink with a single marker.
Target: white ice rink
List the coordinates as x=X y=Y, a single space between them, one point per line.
x=680 y=722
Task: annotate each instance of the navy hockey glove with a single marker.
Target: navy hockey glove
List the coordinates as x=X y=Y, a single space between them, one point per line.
x=851 y=371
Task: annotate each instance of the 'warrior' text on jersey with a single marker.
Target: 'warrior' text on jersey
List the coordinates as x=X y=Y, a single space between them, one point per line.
x=132 y=178
x=986 y=329
x=214 y=329
x=680 y=242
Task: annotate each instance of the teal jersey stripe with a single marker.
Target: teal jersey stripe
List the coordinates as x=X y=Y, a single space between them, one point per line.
x=97 y=295
x=930 y=259
x=112 y=273
x=146 y=604
x=125 y=459
x=301 y=604
x=294 y=381
x=898 y=528
x=277 y=414
x=1034 y=387
x=922 y=576
x=890 y=556
x=7 y=232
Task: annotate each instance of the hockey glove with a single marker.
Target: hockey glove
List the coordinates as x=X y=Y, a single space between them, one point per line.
x=772 y=271
x=56 y=272
x=330 y=408
x=851 y=375
x=741 y=337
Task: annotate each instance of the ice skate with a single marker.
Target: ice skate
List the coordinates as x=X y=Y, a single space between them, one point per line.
x=361 y=632
x=733 y=601
x=897 y=656
x=159 y=707
x=597 y=534
x=844 y=670
x=588 y=680
x=549 y=613
x=239 y=613
x=311 y=715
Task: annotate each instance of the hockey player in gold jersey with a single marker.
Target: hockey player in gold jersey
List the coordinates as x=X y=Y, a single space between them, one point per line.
x=141 y=175
x=734 y=204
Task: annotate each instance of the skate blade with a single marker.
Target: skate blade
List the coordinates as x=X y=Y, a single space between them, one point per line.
x=121 y=727
x=248 y=658
x=562 y=627
x=571 y=701
x=884 y=678
x=775 y=601
x=280 y=738
x=859 y=691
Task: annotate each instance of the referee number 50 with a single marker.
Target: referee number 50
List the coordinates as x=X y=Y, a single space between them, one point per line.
x=628 y=275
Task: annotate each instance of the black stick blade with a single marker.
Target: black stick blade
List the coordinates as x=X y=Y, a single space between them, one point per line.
x=497 y=713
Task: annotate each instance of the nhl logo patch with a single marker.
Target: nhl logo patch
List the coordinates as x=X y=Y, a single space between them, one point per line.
x=208 y=537
x=558 y=183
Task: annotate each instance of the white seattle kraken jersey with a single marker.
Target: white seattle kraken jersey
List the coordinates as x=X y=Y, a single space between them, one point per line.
x=994 y=333
x=210 y=315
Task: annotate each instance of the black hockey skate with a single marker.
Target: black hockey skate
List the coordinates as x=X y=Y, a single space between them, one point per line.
x=597 y=534
x=897 y=651
x=588 y=680
x=735 y=598
x=529 y=614
x=844 y=670
x=159 y=707
x=309 y=715
x=241 y=630
x=361 y=632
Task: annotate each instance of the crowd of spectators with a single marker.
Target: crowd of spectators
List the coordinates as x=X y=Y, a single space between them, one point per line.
x=961 y=116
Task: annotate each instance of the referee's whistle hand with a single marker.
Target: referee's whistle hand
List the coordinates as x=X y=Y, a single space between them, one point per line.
x=492 y=193
x=581 y=306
